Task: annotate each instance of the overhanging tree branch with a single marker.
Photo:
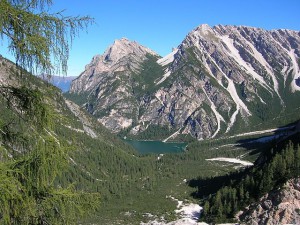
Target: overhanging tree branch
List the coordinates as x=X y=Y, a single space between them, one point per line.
x=39 y=41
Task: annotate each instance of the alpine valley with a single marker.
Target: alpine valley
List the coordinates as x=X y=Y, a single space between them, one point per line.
x=219 y=81
x=230 y=93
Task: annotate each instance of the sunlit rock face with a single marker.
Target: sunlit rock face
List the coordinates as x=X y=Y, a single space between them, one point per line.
x=219 y=80
x=277 y=207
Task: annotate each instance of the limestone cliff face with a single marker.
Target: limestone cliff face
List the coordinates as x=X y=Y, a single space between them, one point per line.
x=218 y=81
x=122 y=56
x=278 y=207
x=108 y=82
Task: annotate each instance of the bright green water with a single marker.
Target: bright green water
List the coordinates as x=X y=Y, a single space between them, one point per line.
x=157 y=147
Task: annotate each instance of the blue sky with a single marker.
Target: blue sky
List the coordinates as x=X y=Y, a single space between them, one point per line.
x=163 y=24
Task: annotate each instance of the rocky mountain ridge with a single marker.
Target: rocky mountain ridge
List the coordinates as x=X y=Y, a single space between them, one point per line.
x=122 y=55
x=219 y=80
x=278 y=207
x=62 y=82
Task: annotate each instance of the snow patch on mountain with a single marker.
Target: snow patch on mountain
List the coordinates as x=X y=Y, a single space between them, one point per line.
x=296 y=71
x=167 y=59
x=231 y=160
x=217 y=114
x=258 y=56
x=243 y=64
x=236 y=55
x=233 y=93
x=263 y=131
x=295 y=67
x=232 y=119
x=239 y=103
x=173 y=135
x=189 y=213
x=164 y=62
x=165 y=76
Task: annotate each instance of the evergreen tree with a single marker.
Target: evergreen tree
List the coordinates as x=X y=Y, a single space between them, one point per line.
x=39 y=40
x=28 y=195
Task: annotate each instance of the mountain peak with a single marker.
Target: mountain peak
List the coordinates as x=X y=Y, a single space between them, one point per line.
x=202 y=30
x=121 y=41
x=229 y=68
x=124 y=47
x=122 y=56
x=204 y=27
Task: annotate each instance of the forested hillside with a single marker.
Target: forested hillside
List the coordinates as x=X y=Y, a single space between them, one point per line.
x=50 y=147
x=54 y=144
x=229 y=194
x=32 y=157
x=231 y=93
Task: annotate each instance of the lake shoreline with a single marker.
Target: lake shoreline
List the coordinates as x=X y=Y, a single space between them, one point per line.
x=156 y=147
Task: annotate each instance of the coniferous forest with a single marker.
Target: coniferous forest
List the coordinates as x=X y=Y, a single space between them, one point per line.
x=60 y=165
x=235 y=191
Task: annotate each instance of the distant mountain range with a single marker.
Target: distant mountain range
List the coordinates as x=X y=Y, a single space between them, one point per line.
x=219 y=81
x=135 y=92
x=62 y=82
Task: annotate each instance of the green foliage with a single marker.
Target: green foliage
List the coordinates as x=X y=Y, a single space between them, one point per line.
x=79 y=99
x=39 y=40
x=239 y=189
x=27 y=183
x=39 y=157
x=29 y=102
x=105 y=165
x=11 y=198
x=149 y=73
x=32 y=160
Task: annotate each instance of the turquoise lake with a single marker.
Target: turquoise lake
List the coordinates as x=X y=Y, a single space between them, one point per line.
x=158 y=147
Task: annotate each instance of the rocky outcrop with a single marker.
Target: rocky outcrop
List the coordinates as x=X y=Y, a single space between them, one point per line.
x=219 y=79
x=109 y=84
x=122 y=56
x=278 y=207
